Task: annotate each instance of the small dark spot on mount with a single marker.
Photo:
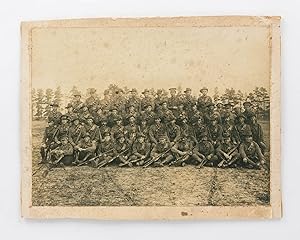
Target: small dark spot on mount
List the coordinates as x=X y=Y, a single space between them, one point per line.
x=184 y=213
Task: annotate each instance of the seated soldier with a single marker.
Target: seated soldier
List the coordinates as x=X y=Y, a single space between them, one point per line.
x=257 y=133
x=48 y=140
x=161 y=152
x=131 y=130
x=207 y=152
x=140 y=150
x=144 y=128
x=85 y=149
x=63 y=154
x=122 y=150
x=242 y=127
x=63 y=128
x=250 y=152
x=164 y=112
x=105 y=151
x=131 y=112
x=84 y=114
x=194 y=115
x=200 y=129
x=148 y=114
x=227 y=151
x=118 y=128
x=186 y=129
x=104 y=129
x=93 y=129
x=173 y=130
x=157 y=129
x=183 y=151
x=111 y=118
x=76 y=132
x=230 y=128
x=215 y=131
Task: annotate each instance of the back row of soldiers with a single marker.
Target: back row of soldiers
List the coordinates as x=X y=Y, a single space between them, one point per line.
x=175 y=130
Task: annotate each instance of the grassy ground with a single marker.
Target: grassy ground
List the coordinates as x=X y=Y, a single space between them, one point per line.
x=168 y=186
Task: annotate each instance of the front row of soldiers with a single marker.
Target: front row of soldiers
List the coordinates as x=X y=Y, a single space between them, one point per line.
x=169 y=141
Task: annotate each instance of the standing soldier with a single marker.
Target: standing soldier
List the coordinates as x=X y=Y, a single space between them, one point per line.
x=158 y=100
x=63 y=154
x=242 y=127
x=162 y=152
x=248 y=111
x=77 y=103
x=250 y=152
x=228 y=113
x=146 y=100
x=63 y=129
x=204 y=100
x=230 y=128
x=156 y=130
x=134 y=100
x=85 y=149
x=76 y=132
x=93 y=100
x=48 y=140
x=257 y=133
x=173 y=100
x=188 y=100
x=93 y=130
x=140 y=150
x=173 y=130
x=54 y=114
x=105 y=102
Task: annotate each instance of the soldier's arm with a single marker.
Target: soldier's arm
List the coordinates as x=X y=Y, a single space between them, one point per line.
x=69 y=150
x=92 y=148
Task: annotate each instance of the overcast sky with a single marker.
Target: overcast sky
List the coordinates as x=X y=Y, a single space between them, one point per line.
x=193 y=57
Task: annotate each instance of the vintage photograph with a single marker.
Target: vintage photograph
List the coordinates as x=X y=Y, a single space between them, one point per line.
x=157 y=112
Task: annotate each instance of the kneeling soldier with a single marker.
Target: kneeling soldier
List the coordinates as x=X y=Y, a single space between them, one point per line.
x=250 y=152
x=161 y=153
x=227 y=151
x=85 y=149
x=140 y=150
x=63 y=154
x=206 y=152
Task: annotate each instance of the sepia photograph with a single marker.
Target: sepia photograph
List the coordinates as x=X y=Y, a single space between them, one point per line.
x=151 y=118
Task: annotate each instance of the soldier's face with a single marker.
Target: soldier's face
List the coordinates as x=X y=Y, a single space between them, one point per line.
x=131 y=108
x=143 y=123
x=162 y=141
x=214 y=122
x=64 y=121
x=200 y=121
x=90 y=121
x=227 y=140
x=242 y=120
x=194 y=107
x=157 y=120
x=204 y=92
x=180 y=107
x=87 y=138
x=141 y=139
x=114 y=111
x=173 y=93
x=51 y=123
x=121 y=140
x=188 y=93
x=253 y=119
x=104 y=123
x=76 y=122
x=107 y=138
x=149 y=108
x=131 y=120
x=248 y=139
x=99 y=111
x=119 y=122
x=77 y=98
x=85 y=109
x=70 y=109
x=64 y=141
x=164 y=105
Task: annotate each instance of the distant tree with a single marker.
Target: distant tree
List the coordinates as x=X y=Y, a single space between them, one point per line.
x=40 y=104
x=73 y=91
x=58 y=96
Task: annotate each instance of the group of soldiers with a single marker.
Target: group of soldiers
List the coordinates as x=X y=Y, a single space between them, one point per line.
x=151 y=130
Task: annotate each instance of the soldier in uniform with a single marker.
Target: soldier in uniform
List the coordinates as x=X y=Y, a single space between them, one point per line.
x=248 y=111
x=93 y=130
x=257 y=133
x=156 y=130
x=48 y=140
x=140 y=150
x=105 y=102
x=85 y=149
x=121 y=150
x=194 y=115
x=99 y=116
x=118 y=128
x=134 y=100
x=146 y=100
x=111 y=118
x=188 y=100
x=131 y=130
x=215 y=132
x=63 y=129
x=184 y=150
x=162 y=149
x=180 y=112
x=208 y=115
x=92 y=100
x=220 y=109
x=54 y=114
x=70 y=112
x=173 y=130
x=228 y=113
x=148 y=114
x=63 y=154
x=158 y=100
x=227 y=151
x=186 y=129
x=104 y=128
x=77 y=103
x=173 y=100
x=230 y=128
x=200 y=129
x=206 y=149
x=76 y=131
x=204 y=100
x=242 y=127
x=250 y=151
x=165 y=114
x=105 y=150
x=84 y=114
x=143 y=128
x=131 y=111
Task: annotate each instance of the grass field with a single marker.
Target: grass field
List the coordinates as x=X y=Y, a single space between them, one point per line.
x=167 y=186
